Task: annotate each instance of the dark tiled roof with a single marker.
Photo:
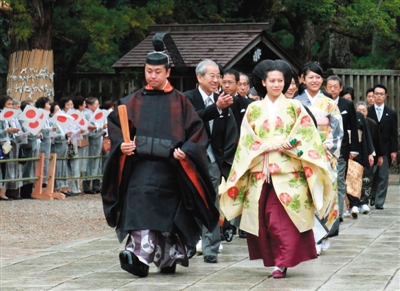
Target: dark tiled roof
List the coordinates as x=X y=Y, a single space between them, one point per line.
x=221 y=43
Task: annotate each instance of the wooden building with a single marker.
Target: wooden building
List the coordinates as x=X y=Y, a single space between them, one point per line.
x=231 y=45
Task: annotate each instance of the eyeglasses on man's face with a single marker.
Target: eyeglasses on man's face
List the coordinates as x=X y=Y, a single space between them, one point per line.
x=228 y=82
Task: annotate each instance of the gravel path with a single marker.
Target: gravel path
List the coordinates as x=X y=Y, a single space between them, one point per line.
x=28 y=226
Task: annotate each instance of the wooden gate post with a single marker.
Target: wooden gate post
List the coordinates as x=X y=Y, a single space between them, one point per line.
x=51 y=178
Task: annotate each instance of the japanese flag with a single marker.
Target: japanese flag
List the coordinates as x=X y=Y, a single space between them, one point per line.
x=75 y=114
x=30 y=113
x=82 y=122
x=62 y=119
x=34 y=126
x=79 y=118
x=43 y=114
x=9 y=113
x=99 y=115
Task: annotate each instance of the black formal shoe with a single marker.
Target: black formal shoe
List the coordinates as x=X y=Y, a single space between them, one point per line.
x=340 y=219
x=131 y=264
x=16 y=198
x=169 y=270
x=210 y=259
x=5 y=199
x=191 y=251
x=70 y=194
x=229 y=232
x=372 y=202
x=242 y=234
x=89 y=192
x=379 y=207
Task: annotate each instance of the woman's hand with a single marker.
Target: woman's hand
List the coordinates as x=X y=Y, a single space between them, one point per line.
x=179 y=154
x=12 y=130
x=128 y=147
x=91 y=127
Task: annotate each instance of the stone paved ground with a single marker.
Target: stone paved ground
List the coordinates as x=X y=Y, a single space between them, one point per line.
x=366 y=256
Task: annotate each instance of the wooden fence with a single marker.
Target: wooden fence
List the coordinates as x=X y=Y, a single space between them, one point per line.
x=361 y=80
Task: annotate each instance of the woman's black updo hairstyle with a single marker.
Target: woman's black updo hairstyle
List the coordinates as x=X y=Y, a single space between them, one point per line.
x=313 y=67
x=262 y=69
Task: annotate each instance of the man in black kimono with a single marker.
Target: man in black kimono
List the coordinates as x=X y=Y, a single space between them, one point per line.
x=156 y=185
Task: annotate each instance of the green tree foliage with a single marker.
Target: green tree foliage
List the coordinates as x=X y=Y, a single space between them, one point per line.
x=90 y=35
x=308 y=21
x=21 y=27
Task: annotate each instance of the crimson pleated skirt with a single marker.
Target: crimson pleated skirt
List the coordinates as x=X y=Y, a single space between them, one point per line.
x=279 y=242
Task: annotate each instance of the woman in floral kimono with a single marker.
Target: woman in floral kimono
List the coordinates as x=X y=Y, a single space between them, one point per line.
x=330 y=127
x=279 y=177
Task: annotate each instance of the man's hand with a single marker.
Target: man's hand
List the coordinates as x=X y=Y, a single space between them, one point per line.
x=128 y=147
x=380 y=161
x=224 y=100
x=179 y=154
x=371 y=160
x=352 y=156
x=393 y=157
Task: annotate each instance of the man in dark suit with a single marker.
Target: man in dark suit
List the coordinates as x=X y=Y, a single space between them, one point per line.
x=386 y=118
x=350 y=144
x=220 y=125
x=230 y=83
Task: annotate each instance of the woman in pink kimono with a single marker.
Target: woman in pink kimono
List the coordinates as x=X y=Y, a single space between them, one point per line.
x=279 y=176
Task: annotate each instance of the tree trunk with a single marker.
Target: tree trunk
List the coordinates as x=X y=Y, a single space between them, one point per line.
x=66 y=66
x=339 y=51
x=303 y=42
x=30 y=70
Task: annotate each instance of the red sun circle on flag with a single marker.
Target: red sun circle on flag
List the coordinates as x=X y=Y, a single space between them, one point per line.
x=41 y=116
x=75 y=116
x=8 y=114
x=82 y=122
x=61 y=119
x=34 y=124
x=31 y=114
x=98 y=116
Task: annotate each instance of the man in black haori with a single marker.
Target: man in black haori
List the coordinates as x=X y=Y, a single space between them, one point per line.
x=156 y=185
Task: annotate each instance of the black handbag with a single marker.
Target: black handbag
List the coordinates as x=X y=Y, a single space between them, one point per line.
x=71 y=150
x=21 y=155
